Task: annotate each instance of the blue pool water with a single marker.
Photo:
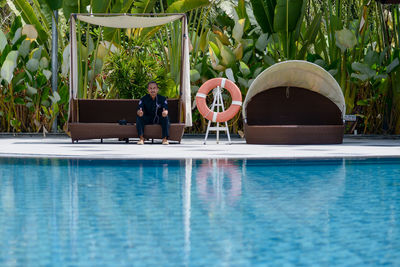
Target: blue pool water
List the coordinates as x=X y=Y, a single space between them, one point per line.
x=199 y=213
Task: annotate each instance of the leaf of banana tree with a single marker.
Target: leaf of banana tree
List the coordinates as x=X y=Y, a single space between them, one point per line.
x=100 y=6
x=194 y=75
x=238 y=51
x=345 y=39
x=24 y=48
x=30 y=17
x=183 y=6
x=393 y=65
x=244 y=69
x=204 y=40
x=213 y=54
x=71 y=6
x=54 y=4
x=287 y=14
x=311 y=34
x=361 y=77
x=222 y=37
x=65 y=61
x=242 y=14
x=237 y=32
x=215 y=49
x=32 y=65
x=264 y=13
x=371 y=58
x=363 y=69
x=3 y=41
x=143 y=6
x=17 y=36
x=30 y=32
x=227 y=56
x=7 y=69
x=121 y=6
x=229 y=74
x=262 y=42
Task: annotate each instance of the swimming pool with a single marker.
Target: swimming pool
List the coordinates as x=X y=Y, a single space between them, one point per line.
x=199 y=212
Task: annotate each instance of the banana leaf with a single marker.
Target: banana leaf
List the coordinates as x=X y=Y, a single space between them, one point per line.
x=287 y=14
x=242 y=14
x=72 y=6
x=143 y=6
x=100 y=6
x=54 y=4
x=264 y=13
x=183 y=6
x=30 y=17
x=310 y=36
x=7 y=69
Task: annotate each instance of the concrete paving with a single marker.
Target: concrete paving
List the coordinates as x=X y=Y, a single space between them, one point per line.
x=192 y=147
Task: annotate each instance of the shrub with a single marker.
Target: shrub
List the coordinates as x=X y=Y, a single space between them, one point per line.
x=130 y=73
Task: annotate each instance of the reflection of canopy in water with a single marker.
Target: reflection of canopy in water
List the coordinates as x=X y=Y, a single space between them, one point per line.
x=135 y=21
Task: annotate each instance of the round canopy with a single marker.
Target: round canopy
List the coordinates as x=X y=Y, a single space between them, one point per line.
x=297 y=73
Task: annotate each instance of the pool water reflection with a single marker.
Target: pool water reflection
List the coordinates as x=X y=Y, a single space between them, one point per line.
x=199 y=212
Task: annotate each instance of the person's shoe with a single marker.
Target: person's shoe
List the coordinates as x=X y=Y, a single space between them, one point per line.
x=140 y=142
x=165 y=142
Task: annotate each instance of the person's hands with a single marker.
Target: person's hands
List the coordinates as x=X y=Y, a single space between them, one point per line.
x=164 y=113
x=140 y=112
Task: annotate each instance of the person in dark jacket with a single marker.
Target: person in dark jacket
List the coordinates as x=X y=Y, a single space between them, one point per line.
x=153 y=109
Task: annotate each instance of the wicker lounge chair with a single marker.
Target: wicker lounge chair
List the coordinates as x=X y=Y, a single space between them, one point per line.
x=294 y=102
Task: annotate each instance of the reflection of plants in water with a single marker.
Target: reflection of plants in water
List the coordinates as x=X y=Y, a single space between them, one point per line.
x=217 y=181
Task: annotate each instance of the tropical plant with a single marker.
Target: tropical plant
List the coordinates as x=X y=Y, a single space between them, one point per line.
x=27 y=102
x=127 y=75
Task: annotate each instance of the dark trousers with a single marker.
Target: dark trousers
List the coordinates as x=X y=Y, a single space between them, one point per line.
x=145 y=120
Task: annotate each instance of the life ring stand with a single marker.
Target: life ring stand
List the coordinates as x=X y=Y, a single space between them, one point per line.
x=226 y=115
x=206 y=175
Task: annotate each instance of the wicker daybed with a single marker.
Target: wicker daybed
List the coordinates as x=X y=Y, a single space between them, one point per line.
x=294 y=102
x=99 y=118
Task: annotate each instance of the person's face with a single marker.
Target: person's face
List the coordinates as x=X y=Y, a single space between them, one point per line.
x=153 y=90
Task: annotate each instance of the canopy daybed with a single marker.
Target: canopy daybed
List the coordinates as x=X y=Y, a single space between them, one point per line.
x=294 y=102
x=98 y=118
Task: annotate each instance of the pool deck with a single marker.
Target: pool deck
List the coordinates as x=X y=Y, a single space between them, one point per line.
x=59 y=146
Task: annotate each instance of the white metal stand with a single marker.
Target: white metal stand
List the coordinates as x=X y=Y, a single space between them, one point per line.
x=218 y=103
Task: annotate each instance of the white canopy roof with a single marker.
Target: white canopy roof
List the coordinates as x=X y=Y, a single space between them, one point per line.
x=135 y=21
x=297 y=73
x=127 y=21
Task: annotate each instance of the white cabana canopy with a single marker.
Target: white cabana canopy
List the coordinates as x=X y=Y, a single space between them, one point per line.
x=297 y=73
x=135 y=21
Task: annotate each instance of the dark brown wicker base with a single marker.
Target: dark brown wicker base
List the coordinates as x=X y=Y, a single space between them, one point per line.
x=97 y=119
x=294 y=134
x=84 y=131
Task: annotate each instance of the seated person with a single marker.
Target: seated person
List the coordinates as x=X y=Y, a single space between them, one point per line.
x=153 y=109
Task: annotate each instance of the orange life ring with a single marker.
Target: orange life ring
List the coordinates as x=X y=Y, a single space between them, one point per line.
x=218 y=116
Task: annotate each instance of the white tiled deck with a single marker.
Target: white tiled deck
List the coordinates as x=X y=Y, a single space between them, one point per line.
x=192 y=147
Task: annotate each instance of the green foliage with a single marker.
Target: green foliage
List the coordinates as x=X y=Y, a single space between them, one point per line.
x=183 y=6
x=287 y=14
x=30 y=17
x=25 y=95
x=264 y=14
x=130 y=74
